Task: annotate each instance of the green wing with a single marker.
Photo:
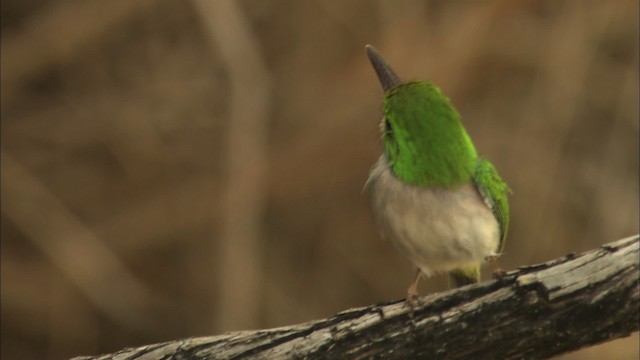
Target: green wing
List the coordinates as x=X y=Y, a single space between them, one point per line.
x=494 y=191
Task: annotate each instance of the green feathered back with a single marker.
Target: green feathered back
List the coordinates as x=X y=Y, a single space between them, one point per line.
x=424 y=140
x=494 y=191
x=426 y=145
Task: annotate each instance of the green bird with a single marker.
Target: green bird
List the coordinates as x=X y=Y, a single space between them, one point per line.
x=432 y=195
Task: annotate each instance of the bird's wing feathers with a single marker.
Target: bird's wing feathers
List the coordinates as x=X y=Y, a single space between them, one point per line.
x=494 y=192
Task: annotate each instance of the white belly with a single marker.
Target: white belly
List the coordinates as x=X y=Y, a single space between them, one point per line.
x=437 y=229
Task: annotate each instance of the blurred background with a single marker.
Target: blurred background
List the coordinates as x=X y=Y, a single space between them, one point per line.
x=184 y=168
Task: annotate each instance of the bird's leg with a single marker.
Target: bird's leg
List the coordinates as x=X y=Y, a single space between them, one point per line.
x=493 y=262
x=412 y=291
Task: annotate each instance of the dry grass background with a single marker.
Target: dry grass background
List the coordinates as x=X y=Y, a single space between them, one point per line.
x=182 y=168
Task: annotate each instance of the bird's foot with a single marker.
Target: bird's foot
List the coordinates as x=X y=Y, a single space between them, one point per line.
x=413 y=298
x=498 y=273
x=412 y=291
x=412 y=295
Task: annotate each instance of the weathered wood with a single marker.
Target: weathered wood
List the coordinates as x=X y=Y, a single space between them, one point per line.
x=534 y=312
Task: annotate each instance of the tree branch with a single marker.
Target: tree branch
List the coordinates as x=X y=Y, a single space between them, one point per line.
x=534 y=312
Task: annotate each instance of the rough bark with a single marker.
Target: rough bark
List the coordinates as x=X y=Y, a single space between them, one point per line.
x=534 y=312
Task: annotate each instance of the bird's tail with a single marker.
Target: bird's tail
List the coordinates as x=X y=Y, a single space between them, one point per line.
x=465 y=275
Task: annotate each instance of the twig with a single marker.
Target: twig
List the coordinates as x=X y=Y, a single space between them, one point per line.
x=238 y=255
x=534 y=312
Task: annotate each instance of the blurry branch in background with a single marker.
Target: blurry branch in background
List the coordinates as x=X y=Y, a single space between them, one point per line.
x=52 y=37
x=537 y=312
x=238 y=254
x=69 y=244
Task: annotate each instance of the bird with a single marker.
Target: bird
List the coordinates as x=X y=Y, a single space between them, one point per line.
x=441 y=204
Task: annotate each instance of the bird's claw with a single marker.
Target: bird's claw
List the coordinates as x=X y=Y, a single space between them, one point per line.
x=412 y=296
x=497 y=272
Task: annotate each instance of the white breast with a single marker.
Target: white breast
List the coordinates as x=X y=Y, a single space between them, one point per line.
x=437 y=229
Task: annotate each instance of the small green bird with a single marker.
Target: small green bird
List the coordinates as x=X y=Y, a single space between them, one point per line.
x=440 y=203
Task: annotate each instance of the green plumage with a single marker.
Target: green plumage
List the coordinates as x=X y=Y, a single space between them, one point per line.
x=465 y=275
x=494 y=191
x=444 y=206
x=426 y=145
x=424 y=141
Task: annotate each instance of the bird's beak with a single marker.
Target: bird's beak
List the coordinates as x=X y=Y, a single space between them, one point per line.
x=387 y=77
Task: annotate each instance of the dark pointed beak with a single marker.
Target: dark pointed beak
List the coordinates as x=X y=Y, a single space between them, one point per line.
x=387 y=77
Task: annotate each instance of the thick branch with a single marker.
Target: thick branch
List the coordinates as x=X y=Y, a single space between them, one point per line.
x=534 y=312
